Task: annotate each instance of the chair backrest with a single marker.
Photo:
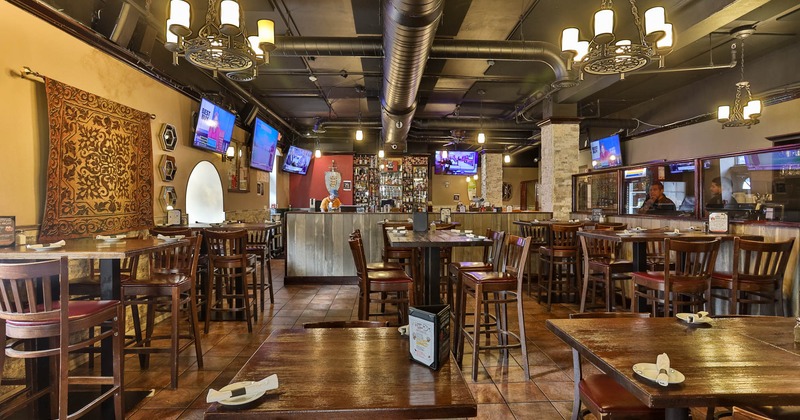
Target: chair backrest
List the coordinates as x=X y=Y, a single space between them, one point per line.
x=26 y=290
x=493 y=253
x=611 y=226
x=170 y=231
x=690 y=260
x=740 y=413
x=346 y=324
x=760 y=261
x=445 y=226
x=582 y=315
x=360 y=261
x=598 y=248
x=564 y=237
x=538 y=233
x=181 y=259
x=516 y=257
x=258 y=236
x=227 y=248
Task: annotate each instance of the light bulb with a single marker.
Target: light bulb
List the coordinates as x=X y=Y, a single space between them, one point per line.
x=507 y=158
x=317 y=153
x=469 y=178
x=481 y=138
x=667 y=40
x=475 y=177
x=604 y=26
x=359 y=135
x=724 y=113
x=569 y=39
x=266 y=34
x=754 y=108
x=229 y=17
x=654 y=20
x=231 y=152
x=179 y=17
x=583 y=49
x=594 y=163
x=254 y=45
x=381 y=154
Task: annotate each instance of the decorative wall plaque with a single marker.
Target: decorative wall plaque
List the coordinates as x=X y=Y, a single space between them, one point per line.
x=168 y=136
x=167 y=168
x=168 y=197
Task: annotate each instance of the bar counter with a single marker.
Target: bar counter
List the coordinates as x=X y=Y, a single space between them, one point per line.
x=317 y=249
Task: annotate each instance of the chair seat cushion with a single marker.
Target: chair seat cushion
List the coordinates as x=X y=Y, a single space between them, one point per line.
x=558 y=253
x=386 y=276
x=159 y=279
x=383 y=266
x=77 y=309
x=605 y=393
x=649 y=275
x=612 y=264
x=490 y=276
x=469 y=265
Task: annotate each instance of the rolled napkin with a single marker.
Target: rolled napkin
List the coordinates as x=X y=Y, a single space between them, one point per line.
x=164 y=238
x=676 y=231
x=662 y=364
x=107 y=237
x=626 y=232
x=535 y=220
x=50 y=245
x=260 y=387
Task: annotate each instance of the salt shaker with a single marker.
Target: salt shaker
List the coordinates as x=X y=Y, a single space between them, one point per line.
x=797 y=331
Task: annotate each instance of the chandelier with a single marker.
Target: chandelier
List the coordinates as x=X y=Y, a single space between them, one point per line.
x=222 y=44
x=741 y=115
x=602 y=55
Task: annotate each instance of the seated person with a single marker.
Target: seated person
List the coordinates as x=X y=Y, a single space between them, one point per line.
x=716 y=201
x=658 y=202
x=331 y=202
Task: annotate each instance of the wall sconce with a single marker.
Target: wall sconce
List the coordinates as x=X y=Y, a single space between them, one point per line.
x=230 y=153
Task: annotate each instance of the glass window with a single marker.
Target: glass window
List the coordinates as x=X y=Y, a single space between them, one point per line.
x=596 y=191
x=663 y=189
x=763 y=185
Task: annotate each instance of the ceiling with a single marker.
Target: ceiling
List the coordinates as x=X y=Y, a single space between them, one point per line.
x=460 y=90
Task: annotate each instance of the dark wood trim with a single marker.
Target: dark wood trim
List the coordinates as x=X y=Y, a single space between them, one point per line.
x=299 y=280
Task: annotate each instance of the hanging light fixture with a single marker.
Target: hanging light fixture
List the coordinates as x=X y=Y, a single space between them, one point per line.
x=602 y=55
x=746 y=110
x=381 y=154
x=359 y=131
x=317 y=150
x=222 y=44
x=481 y=136
x=507 y=158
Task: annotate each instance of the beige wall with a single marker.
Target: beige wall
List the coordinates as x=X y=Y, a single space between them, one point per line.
x=444 y=186
x=515 y=176
x=51 y=52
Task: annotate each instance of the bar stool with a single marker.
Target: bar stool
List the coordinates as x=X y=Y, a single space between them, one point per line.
x=45 y=320
x=693 y=263
x=560 y=257
x=228 y=271
x=506 y=288
x=602 y=266
x=539 y=235
x=394 y=286
x=756 y=277
x=171 y=284
x=258 y=243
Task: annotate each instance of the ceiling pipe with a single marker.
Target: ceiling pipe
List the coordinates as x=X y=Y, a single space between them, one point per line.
x=610 y=123
x=408 y=31
x=463 y=123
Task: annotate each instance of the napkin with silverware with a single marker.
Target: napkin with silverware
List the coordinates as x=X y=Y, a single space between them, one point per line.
x=260 y=387
x=50 y=245
x=662 y=364
x=164 y=237
x=107 y=237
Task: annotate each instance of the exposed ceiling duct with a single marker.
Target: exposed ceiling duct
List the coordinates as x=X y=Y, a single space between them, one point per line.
x=495 y=125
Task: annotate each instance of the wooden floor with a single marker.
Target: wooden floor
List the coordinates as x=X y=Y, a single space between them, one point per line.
x=501 y=391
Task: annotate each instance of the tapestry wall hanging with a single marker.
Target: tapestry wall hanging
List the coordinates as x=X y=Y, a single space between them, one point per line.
x=100 y=166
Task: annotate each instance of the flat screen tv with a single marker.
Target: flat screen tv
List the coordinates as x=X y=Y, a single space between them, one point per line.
x=454 y=162
x=606 y=152
x=265 y=142
x=297 y=160
x=773 y=161
x=214 y=128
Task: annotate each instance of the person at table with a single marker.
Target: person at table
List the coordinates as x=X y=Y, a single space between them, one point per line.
x=331 y=202
x=658 y=202
x=720 y=187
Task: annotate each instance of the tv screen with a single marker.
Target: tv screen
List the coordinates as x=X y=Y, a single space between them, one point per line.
x=214 y=128
x=265 y=142
x=454 y=162
x=297 y=160
x=773 y=161
x=676 y=168
x=606 y=152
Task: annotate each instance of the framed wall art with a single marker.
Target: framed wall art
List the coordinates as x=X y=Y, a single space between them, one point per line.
x=167 y=168
x=168 y=136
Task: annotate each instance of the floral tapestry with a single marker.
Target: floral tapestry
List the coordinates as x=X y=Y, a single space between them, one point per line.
x=100 y=166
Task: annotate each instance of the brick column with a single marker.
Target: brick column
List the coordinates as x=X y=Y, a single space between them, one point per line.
x=557 y=164
x=492 y=178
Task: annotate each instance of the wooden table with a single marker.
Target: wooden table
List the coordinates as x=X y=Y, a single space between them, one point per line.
x=348 y=373
x=432 y=242
x=736 y=361
x=109 y=254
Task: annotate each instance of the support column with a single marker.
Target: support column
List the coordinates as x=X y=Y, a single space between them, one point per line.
x=492 y=178
x=557 y=164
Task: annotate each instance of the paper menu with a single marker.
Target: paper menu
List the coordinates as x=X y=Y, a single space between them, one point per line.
x=718 y=223
x=421 y=334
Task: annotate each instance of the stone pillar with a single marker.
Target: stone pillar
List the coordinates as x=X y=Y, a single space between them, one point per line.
x=492 y=178
x=557 y=164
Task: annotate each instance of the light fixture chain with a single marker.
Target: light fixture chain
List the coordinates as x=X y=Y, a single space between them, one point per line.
x=742 y=68
x=606 y=4
x=637 y=21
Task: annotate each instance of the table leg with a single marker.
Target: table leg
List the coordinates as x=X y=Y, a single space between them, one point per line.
x=432 y=275
x=676 y=413
x=639 y=264
x=110 y=289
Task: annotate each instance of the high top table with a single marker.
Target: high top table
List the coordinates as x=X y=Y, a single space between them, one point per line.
x=734 y=361
x=348 y=373
x=432 y=242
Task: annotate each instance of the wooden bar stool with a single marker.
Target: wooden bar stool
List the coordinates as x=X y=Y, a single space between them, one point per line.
x=506 y=288
x=756 y=277
x=393 y=286
x=560 y=257
x=171 y=287
x=31 y=313
x=229 y=271
x=539 y=236
x=693 y=263
x=602 y=266
x=258 y=243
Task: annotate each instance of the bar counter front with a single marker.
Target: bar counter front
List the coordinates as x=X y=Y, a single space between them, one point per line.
x=317 y=249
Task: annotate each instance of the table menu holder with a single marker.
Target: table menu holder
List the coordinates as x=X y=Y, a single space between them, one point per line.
x=718 y=223
x=429 y=335
x=420 y=220
x=7 y=230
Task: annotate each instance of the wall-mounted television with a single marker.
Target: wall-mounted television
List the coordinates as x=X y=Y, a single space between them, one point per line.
x=454 y=162
x=297 y=160
x=676 y=168
x=773 y=161
x=214 y=127
x=265 y=142
x=606 y=152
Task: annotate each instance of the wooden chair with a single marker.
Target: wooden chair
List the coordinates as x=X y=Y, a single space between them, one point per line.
x=693 y=263
x=766 y=413
x=258 y=243
x=31 y=313
x=602 y=266
x=756 y=277
x=228 y=270
x=604 y=397
x=380 y=265
x=560 y=257
x=611 y=226
x=346 y=324
x=539 y=236
x=171 y=231
x=394 y=287
x=506 y=288
x=171 y=284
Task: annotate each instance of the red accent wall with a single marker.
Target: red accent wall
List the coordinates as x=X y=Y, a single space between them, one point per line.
x=312 y=184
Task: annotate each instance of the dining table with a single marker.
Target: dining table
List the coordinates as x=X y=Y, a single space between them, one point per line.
x=727 y=361
x=109 y=252
x=347 y=373
x=432 y=241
